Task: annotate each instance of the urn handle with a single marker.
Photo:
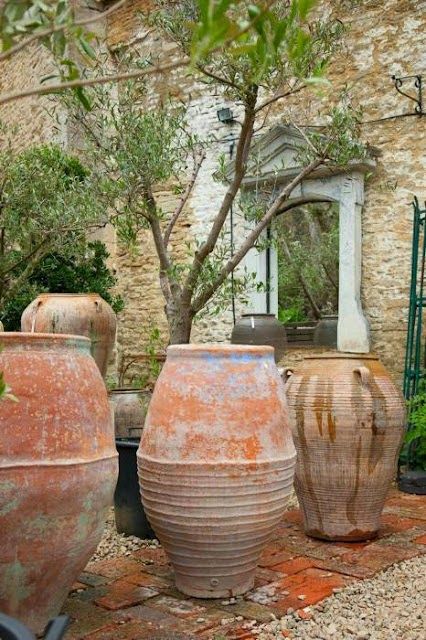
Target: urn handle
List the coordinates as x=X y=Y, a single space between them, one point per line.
x=287 y=372
x=365 y=375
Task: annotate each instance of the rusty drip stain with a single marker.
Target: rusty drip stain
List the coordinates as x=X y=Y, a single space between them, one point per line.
x=351 y=505
x=318 y=409
x=378 y=426
x=300 y=425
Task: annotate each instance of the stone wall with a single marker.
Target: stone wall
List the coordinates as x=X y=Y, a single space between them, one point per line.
x=383 y=38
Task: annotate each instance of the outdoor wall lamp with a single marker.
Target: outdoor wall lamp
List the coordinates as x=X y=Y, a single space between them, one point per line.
x=225 y=115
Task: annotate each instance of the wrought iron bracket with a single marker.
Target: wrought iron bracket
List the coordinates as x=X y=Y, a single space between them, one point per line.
x=416 y=82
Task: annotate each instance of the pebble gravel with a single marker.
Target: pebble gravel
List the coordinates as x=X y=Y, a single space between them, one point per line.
x=116 y=545
x=390 y=606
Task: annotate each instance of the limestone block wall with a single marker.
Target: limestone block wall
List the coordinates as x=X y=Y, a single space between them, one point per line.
x=383 y=38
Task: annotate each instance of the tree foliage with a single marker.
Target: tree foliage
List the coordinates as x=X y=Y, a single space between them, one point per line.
x=47 y=204
x=82 y=269
x=307 y=242
x=272 y=51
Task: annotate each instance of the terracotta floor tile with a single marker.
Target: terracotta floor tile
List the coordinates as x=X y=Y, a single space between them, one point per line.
x=125 y=595
x=420 y=540
x=293 y=516
x=378 y=557
x=274 y=554
x=294 y=566
x=148 y=580
x=307 y=588
x=114 y=568
x=265 y=576
x=178 y=608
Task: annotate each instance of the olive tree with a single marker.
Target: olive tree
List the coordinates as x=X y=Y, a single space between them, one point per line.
x=284 y=52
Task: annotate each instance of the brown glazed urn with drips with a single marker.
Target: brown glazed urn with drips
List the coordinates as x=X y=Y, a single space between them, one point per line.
x=347 y=419
x=58 y=469
x=216 y=463
x=82 y=314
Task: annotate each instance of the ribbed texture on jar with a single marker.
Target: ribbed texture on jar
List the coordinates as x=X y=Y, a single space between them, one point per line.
x=214 y=520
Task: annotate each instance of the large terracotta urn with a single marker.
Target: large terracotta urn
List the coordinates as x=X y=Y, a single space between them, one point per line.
x=58 y=469
x=261 y=329
x=216 y=463
x=347 y=418
x=85 y=314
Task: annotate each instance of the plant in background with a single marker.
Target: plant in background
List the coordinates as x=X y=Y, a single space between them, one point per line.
x=47 y=205
x=145 y=374
x=83 y=270
x=5 y=390
x=414 y=452
x=136 y=152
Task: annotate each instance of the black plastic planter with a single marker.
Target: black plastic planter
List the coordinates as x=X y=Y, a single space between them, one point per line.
x=413 y=482
x=130 y=517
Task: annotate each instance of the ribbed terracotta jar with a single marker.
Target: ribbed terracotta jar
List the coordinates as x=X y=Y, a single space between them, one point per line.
x=58 y=469
x=85 y=314
x=216 y=463
x=347 y=418
x=261 y=329
x=129 y=407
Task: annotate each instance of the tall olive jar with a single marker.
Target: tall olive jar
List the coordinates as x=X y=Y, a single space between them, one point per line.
x=216 y=463
x=58 y=469
x=261 y=329
x=347 y=419
x=84 y=314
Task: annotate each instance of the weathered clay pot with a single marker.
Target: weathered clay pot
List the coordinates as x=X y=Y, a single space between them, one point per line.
x=58 y=469
x=325 y=334
x=260 y=329
x=216 y=463
x=85 y=314
x=347 y=419
x=130 y=407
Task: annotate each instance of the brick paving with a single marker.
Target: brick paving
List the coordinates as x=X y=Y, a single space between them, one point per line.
x=134 y=598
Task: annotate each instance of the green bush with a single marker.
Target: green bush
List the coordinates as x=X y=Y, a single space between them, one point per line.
x=82 y=271
x=415 y=439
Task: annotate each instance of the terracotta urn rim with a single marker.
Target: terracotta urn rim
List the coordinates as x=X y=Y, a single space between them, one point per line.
x=69 y=295
x=128 y=390
x=34 y=337
x=264 y=315
x=219 y=350
x=342 y=356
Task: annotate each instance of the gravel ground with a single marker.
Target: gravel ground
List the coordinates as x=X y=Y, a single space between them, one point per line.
x=390 y=606
x=115 y=545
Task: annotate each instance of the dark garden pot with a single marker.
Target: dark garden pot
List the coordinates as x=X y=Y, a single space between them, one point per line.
x=130 y=517
x=325 y=334
x=413 y=482
x=261 y=329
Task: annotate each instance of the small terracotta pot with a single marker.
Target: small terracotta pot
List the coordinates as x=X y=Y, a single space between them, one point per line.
x=347 y=419
x=216 y=463
x=261 y=329
x=58 y=469
x=130 y=407
x=85 y=314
